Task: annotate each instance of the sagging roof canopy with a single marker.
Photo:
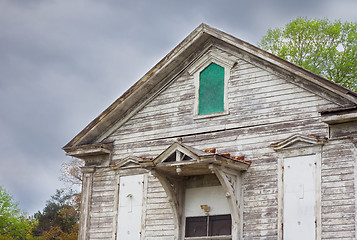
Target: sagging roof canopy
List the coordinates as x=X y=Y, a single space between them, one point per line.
x=183 y=160
x=183 y=56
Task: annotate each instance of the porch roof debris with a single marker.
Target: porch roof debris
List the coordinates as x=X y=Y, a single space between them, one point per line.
x=180 y=159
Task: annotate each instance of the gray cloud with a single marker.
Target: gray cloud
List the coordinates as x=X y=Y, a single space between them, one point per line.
x=63 y=62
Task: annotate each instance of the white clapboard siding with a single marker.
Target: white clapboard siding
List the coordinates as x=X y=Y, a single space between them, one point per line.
x=159 y=219
x=102 y=204
x=338 y=190
x=263 y=109
x=172 y=106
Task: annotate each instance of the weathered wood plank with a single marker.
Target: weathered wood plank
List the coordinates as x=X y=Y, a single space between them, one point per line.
x=264 y=109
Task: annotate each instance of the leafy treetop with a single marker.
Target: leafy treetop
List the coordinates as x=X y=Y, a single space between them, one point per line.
x=59 y=219
x=13 y=222
x=323 y=47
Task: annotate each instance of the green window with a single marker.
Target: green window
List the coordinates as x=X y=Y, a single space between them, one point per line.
x=211 y=90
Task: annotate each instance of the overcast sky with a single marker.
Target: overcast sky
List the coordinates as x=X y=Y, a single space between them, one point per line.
x=62 y=62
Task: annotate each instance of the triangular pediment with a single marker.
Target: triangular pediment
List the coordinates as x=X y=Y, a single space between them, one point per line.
x=196 y=48
x=129 y=162
x=180 y=159
x=298 y=141
x=178 y=153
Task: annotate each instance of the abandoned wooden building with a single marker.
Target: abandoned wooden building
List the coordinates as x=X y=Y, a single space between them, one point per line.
x=221 y=140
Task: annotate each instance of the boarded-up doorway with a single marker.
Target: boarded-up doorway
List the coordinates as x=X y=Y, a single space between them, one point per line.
x=130 y=207
x=299 y=207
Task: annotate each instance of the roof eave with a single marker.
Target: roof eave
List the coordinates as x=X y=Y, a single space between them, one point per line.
x=89 y=150
x=339 y=115
x=153 y=72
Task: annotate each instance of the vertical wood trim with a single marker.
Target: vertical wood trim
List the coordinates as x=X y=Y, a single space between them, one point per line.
x=143 y=214
x=182 y=221
x=239 y=187
x=116 y=206
x=318 y=160
x=227 y=78
x=196 y=80
x=280 y=197
x=87 y=188
x=355 y=185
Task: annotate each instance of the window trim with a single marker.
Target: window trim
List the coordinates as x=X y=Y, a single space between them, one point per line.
x=208 y=227
x=222 y=59
x=223 y=237
x=211 y=90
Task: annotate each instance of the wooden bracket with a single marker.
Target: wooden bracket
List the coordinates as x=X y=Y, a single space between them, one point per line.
x=231 y=182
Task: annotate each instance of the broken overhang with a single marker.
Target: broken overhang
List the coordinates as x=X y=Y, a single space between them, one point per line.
x=183 y=160
x=89 y=150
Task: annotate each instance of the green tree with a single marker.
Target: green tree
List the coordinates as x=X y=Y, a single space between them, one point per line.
x=14 y=224
x=323 y=47
x=59 y=219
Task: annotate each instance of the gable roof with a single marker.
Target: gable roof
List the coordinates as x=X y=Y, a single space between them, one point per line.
x=180 y=58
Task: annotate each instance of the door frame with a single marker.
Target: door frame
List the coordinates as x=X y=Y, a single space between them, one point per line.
x=296 y=152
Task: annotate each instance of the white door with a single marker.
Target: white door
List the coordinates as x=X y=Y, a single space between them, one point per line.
x=299 y=213
x=130 y=207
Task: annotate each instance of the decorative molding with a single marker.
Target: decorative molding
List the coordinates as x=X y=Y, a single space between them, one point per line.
x=175 y=148
x=215 y=56
x=190 y=158
x=222 y=59
x=128 y=162
x=298 y=141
